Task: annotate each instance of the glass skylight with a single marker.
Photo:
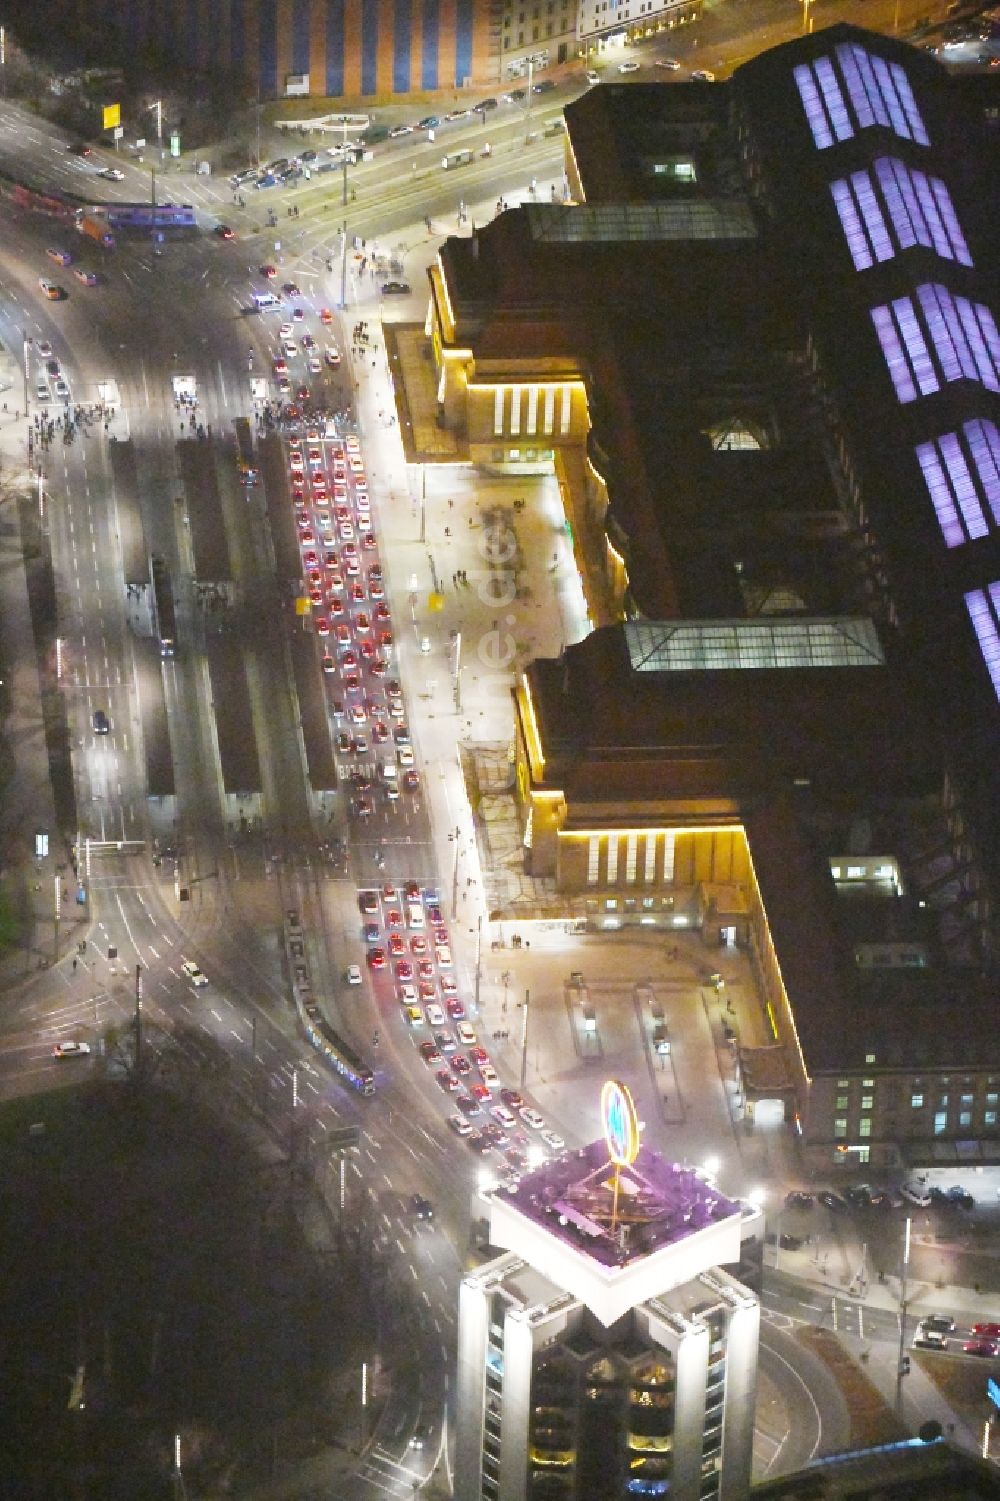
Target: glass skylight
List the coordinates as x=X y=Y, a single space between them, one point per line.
x=878 y=93
x=952 y=489
x=761 y=644
x=983 y=606
x=939 y=338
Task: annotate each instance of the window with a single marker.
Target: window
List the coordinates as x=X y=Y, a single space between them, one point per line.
x=940 y=1122
x=842 y=1101
x=991 y=1098
x=966 y=1101
x=840 y=1127
x=865 y=1128
x=867 y=1101
x=965 y=1118
x=943 y=1102
x=843 y=1083
x=916 y=1102
x=984 y=612
x=867 y=1083
x=869 y=1057
x=990 y=1118
x=593 y=859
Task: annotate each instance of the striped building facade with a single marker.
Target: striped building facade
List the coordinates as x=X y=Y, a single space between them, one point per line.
x=355 y=49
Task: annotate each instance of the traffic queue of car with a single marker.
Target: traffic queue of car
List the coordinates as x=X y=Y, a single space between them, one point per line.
x=351 y=616
x=409 y=956
x=982 y=1339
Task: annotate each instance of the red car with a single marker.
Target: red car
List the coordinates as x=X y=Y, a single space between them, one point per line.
x=404 y=970
x=429 y=1053
x=322 y=626
x=396 y=948
x=376 y=958
x=986 y=1331
x=986 y=1347
x=447 y=1080
x=270 y=272
x=456 y=1009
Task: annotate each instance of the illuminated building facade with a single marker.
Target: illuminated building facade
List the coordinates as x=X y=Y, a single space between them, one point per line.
x=772 y=308
x=354 y=49
x=605 y=1354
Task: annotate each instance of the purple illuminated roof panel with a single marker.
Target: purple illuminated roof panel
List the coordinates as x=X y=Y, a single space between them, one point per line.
x=984 y=612
x=659 y=1203
x=899 y=368
x=984 y=445
x=813 y=106
x=941 y=497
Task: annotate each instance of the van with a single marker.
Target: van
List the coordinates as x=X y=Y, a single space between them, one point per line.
x=61 y=257
x=52 y=291
x=414 y=915
x=456 y=159
x=266 y=302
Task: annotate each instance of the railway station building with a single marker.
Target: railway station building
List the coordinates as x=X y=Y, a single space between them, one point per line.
x=759 y=351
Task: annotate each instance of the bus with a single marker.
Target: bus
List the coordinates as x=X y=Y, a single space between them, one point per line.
x=246 y=462
x=336 y=1051
x=149 y=215
x=163 y=606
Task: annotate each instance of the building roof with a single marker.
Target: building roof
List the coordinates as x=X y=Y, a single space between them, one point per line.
x=666 y=1226
x=725 y=732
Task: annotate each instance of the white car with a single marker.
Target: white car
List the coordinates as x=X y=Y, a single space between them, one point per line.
x=408 y=995
x=504 y=1116
x=531 y=1118
x=286 y=331
x=315 y=365
x=71 y=1050
x=288 y=349
x=702 y=75
x=629 y=67
x=436 y=1016
x=489 y=1075
x=553 y=1140
x=354 y=974
x=442 y=954
x=460 y=1125
x=669 y=63
x=197 y=977
x=466 y=1035
x=113 y=174
x=593 y=76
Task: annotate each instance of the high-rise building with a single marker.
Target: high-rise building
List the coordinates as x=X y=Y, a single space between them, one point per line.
x=605 y=1353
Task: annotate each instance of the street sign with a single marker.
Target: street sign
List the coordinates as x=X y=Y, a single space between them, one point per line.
x=118 y=132
x=175 y=143
x=111 y=115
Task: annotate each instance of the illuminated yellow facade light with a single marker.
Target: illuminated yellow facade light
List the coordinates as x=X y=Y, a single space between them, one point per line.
x=531 y=728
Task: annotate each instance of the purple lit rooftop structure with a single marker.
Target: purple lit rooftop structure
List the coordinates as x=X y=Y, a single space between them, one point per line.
x=670 y=1226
